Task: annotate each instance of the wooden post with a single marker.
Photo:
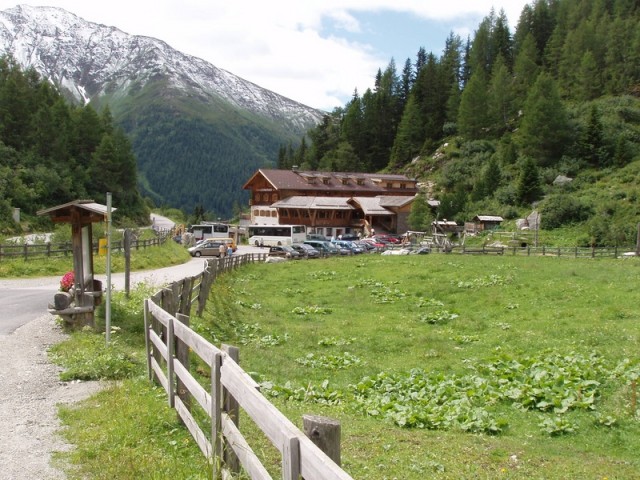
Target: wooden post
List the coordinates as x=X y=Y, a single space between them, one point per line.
x=231 y=407
x=324 y=432
x=182 y=355
x=127 y=261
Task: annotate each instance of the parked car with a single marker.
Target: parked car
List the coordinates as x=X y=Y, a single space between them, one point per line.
x=387 y=238
x=317 y=236
x=379 y=246
x=306 y=251
x=351 y=246
x=350 y=237
x=366 y=246
x=208 y=248
x=325 y=248
x=284 y=251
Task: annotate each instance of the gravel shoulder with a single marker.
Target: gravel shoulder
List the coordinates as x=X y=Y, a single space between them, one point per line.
x=29 y=401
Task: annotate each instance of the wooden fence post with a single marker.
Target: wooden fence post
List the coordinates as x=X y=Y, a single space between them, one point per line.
x=216 y=416
x=127 y=262
x=182 y=355
x=231 y=407
x=147 y=342
x=185 y=296
x=324 y=432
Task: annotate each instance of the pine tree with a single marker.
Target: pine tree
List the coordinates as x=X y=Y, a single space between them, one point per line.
x=473 y=118
x=544 y=130
x=591 y=143
x=500 y=100
x=528 y=188
x=409 y=137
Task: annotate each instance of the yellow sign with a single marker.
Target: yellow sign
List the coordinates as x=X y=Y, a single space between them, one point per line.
x=102 y=246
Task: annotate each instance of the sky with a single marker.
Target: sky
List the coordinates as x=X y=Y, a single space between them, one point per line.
x=317 y=52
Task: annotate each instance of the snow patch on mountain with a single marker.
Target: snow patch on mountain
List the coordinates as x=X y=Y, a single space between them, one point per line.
x=90 y=60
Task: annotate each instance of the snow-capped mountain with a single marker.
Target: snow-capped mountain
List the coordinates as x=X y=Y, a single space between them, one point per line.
x=89 y=60
x=198 y=132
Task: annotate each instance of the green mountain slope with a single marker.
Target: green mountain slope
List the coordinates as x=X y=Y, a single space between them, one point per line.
x=195 y=151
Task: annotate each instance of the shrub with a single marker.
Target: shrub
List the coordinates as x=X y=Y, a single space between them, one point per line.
x=559 y=210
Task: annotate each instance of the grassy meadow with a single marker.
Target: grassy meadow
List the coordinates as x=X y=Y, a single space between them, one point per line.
x=448 y=366
x=437 y=366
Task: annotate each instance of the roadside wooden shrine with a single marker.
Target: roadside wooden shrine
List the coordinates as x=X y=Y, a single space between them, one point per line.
x=77 y=305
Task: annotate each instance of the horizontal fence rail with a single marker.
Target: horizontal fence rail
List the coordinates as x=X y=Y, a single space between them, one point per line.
x=227 y=390
x=39 y=250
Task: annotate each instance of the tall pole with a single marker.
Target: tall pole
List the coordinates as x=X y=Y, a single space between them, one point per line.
x=107 y=314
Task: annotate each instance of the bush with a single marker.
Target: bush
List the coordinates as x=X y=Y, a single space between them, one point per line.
x=559 y=210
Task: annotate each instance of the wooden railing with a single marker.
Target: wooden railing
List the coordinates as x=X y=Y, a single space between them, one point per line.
x=228 y=389
x=39 y=250
x=575 y=252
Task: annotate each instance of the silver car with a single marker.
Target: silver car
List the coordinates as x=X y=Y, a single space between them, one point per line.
x=208 y=248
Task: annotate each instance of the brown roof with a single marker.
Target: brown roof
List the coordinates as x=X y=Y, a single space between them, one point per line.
x=96 y=212
x=314 y=203
x=321 y=181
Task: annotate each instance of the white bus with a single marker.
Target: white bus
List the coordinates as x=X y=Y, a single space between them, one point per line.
x=210 y=230
x=272 y=235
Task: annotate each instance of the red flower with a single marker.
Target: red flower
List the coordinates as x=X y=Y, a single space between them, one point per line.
x=67 y=281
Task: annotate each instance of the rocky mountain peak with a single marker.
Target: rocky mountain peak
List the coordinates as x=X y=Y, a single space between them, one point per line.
x=88 y=60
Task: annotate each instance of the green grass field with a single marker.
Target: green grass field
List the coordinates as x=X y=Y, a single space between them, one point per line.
x=448 y=366
x=437 y=366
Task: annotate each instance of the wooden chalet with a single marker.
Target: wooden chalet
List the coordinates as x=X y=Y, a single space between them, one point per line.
x=331 y=203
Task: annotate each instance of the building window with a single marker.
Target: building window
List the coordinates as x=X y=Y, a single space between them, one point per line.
x=403 y=185
x=389 y=185
x=274 y=214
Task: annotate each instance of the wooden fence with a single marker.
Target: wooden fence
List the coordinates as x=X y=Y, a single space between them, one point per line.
x=228 y=389
x=574 y=252
x=40 y=250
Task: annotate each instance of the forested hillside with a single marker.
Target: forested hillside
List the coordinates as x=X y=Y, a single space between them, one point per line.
x=493 y=121
x=52 y=153
x=194 y=155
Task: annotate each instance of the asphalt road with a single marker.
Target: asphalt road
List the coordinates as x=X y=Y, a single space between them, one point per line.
x=24 y=300
x=20 y=305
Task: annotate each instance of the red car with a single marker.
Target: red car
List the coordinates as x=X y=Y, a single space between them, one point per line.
x=387 y=238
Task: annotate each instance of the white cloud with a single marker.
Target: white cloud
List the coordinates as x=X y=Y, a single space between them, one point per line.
x=277 y=45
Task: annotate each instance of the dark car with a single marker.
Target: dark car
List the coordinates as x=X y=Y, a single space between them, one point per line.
x=325 y=248
x=317 y=236
x=306 y=251
x=351 y=246
x=284 y=251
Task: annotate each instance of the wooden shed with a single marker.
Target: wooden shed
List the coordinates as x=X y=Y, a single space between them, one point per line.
x=480 y=223
x=78 y=304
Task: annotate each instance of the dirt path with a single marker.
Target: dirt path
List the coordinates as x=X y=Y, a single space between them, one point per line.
x=29 y=397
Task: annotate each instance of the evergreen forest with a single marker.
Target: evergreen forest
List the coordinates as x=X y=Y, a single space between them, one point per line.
x=546 y=116
x=52 y=152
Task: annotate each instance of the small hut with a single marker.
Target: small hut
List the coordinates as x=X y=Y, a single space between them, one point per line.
x=486 y=222
x=77 y=305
